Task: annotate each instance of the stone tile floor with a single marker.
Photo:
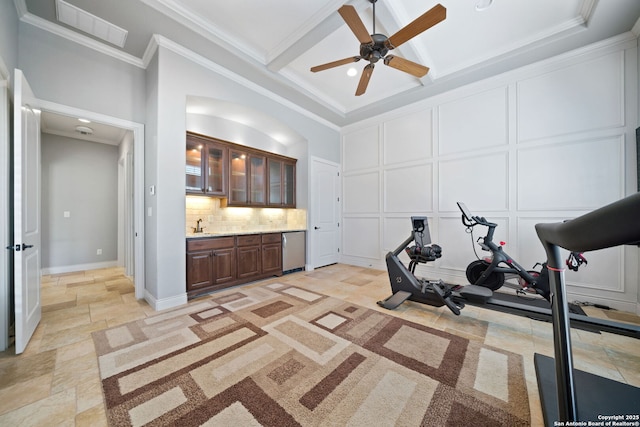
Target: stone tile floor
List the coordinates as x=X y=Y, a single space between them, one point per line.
x=56 y=382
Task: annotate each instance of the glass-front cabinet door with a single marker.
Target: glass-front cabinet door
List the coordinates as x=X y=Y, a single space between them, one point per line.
x=216 y=170
x=238 y=178
x=275 y=182
x=257 y=180
x=289 y=185
x=194 y=176
x=281 y=185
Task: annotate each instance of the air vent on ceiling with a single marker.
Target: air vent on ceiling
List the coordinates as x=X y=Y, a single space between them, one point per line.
x=91 y=24
x=84 y=130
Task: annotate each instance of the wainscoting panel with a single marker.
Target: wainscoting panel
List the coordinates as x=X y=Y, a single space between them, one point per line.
x=578 y=98
x=409 y=189
x=361 y=150
x=362 y=237
x=576 y=175
x=603 y=272
x=361 y=193
x=543 y=143
x=475 y=122
x=481 y=182
x=408 y=138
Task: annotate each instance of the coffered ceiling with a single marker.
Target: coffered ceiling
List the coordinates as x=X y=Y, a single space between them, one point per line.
x=274 y=43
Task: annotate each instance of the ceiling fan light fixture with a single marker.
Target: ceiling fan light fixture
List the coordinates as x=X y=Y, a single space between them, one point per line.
x=374 y=47
x=352 y=72
x=483 y=5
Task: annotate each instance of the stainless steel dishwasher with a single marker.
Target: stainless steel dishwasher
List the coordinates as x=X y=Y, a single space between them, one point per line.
x=293 y=251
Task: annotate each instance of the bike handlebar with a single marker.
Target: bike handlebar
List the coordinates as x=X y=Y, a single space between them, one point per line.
x=470 y=220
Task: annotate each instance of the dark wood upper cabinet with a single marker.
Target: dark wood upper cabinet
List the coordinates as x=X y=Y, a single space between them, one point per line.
x=244 y=175
x=257 y=180
x=238 y=182
x=216 y=169
x=282 y=177
x=194 y=175
x=206 y=167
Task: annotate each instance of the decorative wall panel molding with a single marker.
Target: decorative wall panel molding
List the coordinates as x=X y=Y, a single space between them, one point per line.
x=582 y=97
x=361 y=193
x=474 y=122
x=481 y=182
x=360 y=150
x=408 y=138
x=409 y=189
x=362 y=237
x=581 y=175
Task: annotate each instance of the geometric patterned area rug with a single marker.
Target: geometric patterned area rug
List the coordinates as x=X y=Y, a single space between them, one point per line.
x=278 y=355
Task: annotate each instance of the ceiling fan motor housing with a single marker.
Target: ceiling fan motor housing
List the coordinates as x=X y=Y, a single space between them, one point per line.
x=377 y=50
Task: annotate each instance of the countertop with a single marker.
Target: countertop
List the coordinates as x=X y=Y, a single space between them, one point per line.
x=190 y=236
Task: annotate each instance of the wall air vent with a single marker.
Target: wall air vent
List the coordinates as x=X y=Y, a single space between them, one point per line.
x=90 y=24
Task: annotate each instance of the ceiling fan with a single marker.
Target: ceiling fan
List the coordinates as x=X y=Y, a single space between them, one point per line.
x=374 y=47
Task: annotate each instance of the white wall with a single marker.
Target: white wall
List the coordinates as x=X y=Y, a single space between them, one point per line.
x=544 y=143
x=178 y=78
x=70 y=74
x=80 y=178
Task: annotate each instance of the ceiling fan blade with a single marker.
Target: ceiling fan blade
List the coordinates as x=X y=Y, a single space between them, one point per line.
x=425 y=21
x=405 y=65
x=354 y=22
x=335 y=64
x=364 y=79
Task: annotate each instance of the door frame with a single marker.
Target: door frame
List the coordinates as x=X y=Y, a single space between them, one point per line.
x=138 y=178
x=6 y=233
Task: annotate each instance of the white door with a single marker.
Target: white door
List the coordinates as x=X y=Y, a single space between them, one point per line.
x=325 y=215
x=26 y=157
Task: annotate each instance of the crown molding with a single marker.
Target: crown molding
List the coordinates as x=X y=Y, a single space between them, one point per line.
x=80 y=39
x=161 y=41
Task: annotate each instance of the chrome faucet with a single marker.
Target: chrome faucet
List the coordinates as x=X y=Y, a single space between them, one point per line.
x=197 y=228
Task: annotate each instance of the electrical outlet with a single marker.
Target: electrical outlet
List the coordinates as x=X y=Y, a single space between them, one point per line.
x=99 y=252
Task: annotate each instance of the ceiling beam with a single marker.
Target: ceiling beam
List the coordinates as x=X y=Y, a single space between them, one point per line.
x=327 y=26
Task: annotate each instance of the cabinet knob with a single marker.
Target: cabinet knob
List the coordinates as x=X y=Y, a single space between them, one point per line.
x=316 y=228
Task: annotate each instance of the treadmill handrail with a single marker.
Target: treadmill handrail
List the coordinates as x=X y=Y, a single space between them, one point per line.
x=615 y=224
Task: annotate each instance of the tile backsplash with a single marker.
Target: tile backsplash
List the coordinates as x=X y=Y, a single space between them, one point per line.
x=218 y=219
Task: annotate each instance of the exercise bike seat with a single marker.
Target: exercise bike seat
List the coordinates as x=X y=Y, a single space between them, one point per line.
x=475 y=293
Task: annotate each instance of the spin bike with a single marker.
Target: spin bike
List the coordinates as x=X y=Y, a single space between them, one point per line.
x=491 y=273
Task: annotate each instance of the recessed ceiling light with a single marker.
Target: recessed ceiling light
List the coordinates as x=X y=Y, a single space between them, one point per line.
x=352 y=72
x=84 y=120
x=482 y=5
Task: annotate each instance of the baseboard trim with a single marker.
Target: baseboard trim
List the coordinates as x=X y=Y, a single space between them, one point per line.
x=78 y=267
x=165 y=303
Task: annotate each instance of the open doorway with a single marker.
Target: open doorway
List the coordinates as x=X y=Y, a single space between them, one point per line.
x=84 y=191
x=128 y=249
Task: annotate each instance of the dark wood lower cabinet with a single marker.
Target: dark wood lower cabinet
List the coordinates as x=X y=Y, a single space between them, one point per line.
x=199 y=267
x=224 y=266
x=272 y=253
x=219 y=262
